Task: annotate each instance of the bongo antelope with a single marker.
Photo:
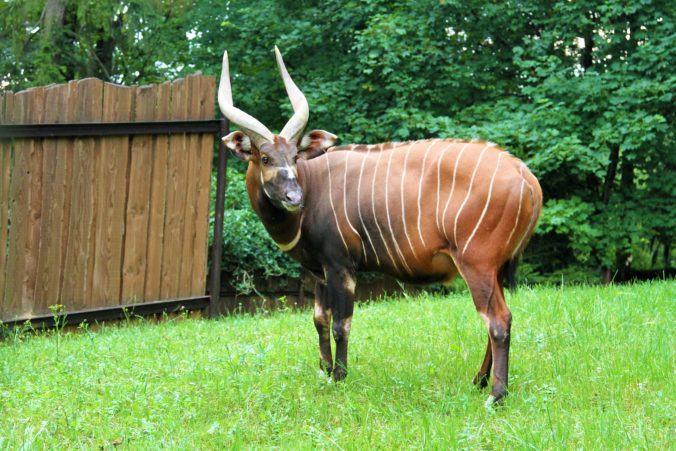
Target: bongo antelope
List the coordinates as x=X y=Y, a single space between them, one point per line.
x=422 y=211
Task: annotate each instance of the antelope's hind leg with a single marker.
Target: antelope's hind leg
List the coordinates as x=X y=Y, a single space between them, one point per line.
x=481 y=378
x=322 y=320
x=489 y=301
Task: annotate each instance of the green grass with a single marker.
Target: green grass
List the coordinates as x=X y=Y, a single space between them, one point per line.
x=591 y=368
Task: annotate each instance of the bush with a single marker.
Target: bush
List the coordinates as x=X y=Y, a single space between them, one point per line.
x=248 y=250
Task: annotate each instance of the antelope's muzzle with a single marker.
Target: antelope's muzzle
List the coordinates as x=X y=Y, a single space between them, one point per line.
x=293 y=200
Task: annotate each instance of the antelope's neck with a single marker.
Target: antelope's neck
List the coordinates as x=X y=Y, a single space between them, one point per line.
x=283 y=226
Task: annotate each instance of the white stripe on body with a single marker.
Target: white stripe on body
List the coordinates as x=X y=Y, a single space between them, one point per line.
x=335 y=216
x=488 y=201
x=422 y=175
x=469 y=192
x=387 y=210
x=375 y=217
x=518 y=212
x=448 y=201
x=347 y=218
x=441 y=157
x=403 y=210
x=532 y=218
x=361 y=219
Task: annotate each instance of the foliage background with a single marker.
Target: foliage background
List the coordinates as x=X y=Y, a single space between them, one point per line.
x=581 y=91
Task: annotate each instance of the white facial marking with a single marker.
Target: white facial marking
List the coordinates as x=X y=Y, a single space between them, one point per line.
x=488 y=200
x=263 y=185
x=290 y=172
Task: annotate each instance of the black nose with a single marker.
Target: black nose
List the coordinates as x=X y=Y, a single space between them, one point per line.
x=294 y=197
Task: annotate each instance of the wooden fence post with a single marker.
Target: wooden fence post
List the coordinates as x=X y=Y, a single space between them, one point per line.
x=215 y=307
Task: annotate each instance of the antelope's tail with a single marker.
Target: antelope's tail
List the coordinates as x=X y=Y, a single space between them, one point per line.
x=508 y=273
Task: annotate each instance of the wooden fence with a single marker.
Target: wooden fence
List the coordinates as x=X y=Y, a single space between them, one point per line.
x=93 y=222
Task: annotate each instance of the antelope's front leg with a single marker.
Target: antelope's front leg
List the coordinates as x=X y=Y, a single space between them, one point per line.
x=341 y=285
x=322 y=319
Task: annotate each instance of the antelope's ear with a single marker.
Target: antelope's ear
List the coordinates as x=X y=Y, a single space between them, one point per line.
x=240 y=144
x=315 y=143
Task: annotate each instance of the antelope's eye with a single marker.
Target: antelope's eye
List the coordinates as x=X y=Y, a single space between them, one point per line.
x=265 y=160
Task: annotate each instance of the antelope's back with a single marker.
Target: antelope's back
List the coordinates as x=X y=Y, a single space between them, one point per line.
x=395 y=206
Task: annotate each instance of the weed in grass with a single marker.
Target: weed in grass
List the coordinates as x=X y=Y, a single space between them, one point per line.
x=59 y=323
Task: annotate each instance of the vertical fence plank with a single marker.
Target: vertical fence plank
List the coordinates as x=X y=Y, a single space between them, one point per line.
x=35 y=114
x=205 y=151
x=6 y=108
x=192 y=175
x=138 y=201
x=176 y=188
x=19 y=192
x=55 y=160
x=111 y=188
x=78 y=277
x=158 y=192
x=66 y=148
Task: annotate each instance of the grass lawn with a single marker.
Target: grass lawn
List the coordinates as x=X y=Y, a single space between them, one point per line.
x=591 y=368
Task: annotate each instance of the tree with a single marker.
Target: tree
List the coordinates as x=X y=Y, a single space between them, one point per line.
x=125 y=42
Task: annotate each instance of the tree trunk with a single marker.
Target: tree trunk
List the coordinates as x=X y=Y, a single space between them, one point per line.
x=623 y=256
x=53 y=16
x=605 y=197
x=610 y=173
x=667 y=254
x=588 y=50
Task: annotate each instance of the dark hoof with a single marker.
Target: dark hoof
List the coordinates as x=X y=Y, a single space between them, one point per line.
x=481 y=381
x=325 y=367
x=339 y=373
x=497 y=397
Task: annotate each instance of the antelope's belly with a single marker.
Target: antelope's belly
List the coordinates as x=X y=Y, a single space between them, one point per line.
x=437 y=267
